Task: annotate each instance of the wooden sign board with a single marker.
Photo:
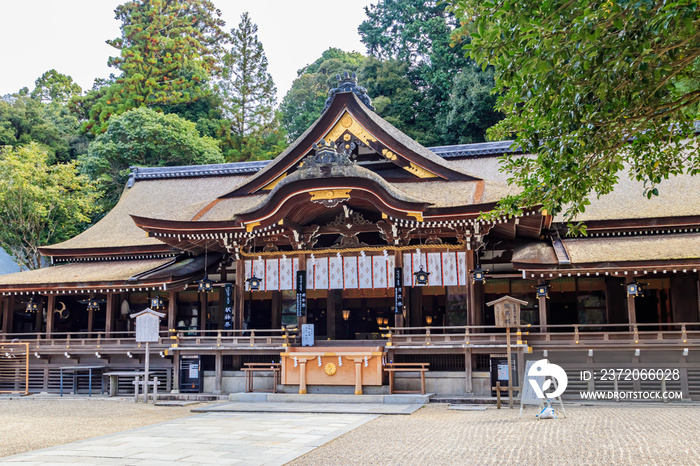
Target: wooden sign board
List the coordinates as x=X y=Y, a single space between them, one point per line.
x=507 y=311
x=147 y=325
x=307 y=335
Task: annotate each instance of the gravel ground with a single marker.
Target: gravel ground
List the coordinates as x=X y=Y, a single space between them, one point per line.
x=434 y=435
x=30 y=423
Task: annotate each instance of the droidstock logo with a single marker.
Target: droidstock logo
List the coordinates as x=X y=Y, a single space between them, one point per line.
x=540 y=371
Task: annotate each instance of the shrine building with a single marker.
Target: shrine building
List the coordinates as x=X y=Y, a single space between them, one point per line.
x=380 y=244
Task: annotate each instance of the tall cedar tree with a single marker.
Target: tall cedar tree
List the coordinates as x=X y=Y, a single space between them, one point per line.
x=168 y=52
x=249 y=95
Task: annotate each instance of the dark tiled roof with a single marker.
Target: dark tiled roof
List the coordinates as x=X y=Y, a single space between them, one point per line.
x=471 y=150
x=237 y=168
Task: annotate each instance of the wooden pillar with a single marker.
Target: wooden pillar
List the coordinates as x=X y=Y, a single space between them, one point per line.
x=331 y=315
x=542 y=305
x=39 y=314
x=468 y=371
x=109 y=313
x=176 y=372
x=473 y=318
x=50 y=306
x=91 y=318
x=631 y=308
x=302 y=268
x=10 y=313
x=239 y=308
x=276 y=314
x=302 y=377
x=172 y=309
x=358 y=377
x=4 y=307
x=203 y=305
x=218 y=374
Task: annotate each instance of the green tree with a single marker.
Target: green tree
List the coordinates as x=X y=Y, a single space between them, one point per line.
x=590 y=88
x=168 y=51
x=304 y=101
x=24 y=120
x=53 y=86
x=249 y=95
x=40 y=203
x=144 y=137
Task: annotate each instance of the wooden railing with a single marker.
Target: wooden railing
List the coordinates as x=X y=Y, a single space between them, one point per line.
x=101 y=342
x=584 y=335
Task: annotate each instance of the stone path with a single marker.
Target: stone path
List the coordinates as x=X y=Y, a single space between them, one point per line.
x=334 y=408
x=210 y=438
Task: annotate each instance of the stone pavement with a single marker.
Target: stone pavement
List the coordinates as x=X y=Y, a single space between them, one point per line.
x=209 y=438
x=297 y=407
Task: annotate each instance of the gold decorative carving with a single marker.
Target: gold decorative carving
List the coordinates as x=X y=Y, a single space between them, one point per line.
x=330 y=369
x=420 y=172
x=325 y=194
x=348 y=123
x=347 y=137
x=418 y=215
x=249 y=227
x=389 y=155
x=274 y=182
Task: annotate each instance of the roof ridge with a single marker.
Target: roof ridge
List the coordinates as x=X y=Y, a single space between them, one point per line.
x=250 y=167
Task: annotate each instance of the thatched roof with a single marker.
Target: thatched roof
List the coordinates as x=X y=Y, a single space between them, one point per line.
x=539 y=253
x=84 y=273
x=172 y=198
x=633 y=248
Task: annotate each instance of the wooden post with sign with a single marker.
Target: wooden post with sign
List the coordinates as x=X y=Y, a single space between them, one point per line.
x=147 y=327
x=507 y=313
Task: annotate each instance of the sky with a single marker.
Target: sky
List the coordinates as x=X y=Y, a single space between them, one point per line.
x=69 y=36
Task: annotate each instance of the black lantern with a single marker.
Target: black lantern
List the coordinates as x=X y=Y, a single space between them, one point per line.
x=206 y=285
x=32 y=306
x=542 y=291
x=254 y=283
x=92 y=303
x=157 y=303
x=421 y=276
x=634 y=289
x=478 y=275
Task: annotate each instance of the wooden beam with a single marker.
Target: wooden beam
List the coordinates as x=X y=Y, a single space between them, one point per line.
x=4 y=306
x=631 y=307
x=50 y=306
x=218 y=372
x=471 y=301
x=91 y=317
x=109 y=313
x=172 y=309
x=239 y=307
x=10 y=309
x=203 y=304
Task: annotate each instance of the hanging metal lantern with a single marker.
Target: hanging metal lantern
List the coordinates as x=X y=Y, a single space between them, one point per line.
x=542 y=291
x=92 y=303
x=254 y=283
x=421 y=276
x=157 y=303
x=32 y=306
x=635 y=289
x=478 y=275
x=206 y=285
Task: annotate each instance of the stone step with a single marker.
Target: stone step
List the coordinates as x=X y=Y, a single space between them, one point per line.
x=329 y=398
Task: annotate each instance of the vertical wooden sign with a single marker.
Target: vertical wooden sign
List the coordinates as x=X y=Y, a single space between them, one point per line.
x=228 y=306
x=301 y=293
x=398 y=290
